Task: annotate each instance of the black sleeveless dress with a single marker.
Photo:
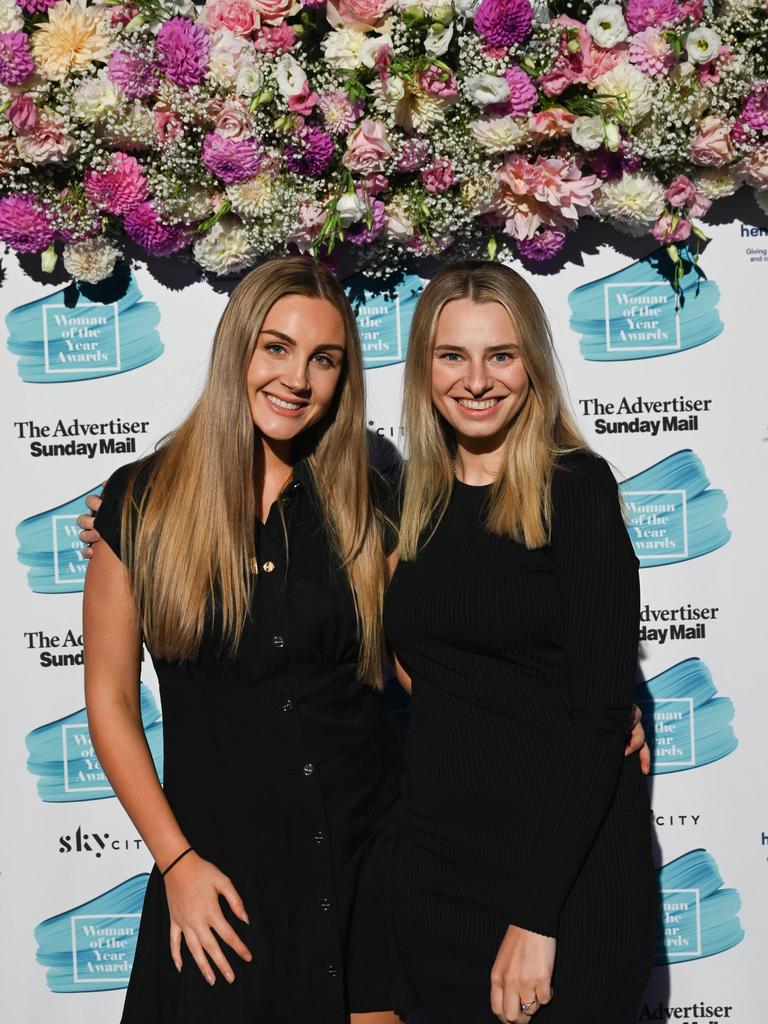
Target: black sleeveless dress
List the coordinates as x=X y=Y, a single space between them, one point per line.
x=519 y=806
x=283 y=770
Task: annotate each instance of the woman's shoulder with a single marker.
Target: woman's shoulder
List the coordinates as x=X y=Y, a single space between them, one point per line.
x=139 y=472
x=580 y=476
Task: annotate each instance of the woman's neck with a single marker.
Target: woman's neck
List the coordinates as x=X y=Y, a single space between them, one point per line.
x=272 y=471
x=475 y=464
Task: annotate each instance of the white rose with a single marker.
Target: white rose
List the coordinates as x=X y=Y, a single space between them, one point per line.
x=370 y=47
x=350 y=208
x=91 y=261
x=498 y=134
x=438 y=40
x=588 y=133
x=607 y=26
x=250 y=80
x=289 y=76
x=227 y=53
x=94 y=98
x=702 y=45
x=485 y=89
x=11 y=18
x=341 y=48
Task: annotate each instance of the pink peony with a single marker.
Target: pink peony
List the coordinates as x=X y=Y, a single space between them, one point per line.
x=232 y=118
x=16 y=61
x=231 y=160
x=522 y=95
x=47 y=144
x=275 y=38
x=368 y=147
x=552 y=123
x=143 y=226
x=439 y=175
x=24 y=224
x=652 y=54
x=136 y=76
x=712 y=147
x=303 y=102
x=503 y=22
x=22 y=113
x=671 y=228
x=183 y=47
x=681 y=192
x=240 y=17
x=119 y=189
x=357 y=14
x=551 y=192
x=640 y=14
x=275 y=11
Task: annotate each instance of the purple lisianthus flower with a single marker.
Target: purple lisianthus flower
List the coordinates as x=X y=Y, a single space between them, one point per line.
x=24 y=224
x=144 y=227
x=359 y=233
x=35 y=6
x=183 y=47
x=136 y=76
x=412 y=155
x=522 y=95
x=312 y=154
x=641 y=14
x=232 y=160
x=546 y=243
x=503 y=22
x=16 y=61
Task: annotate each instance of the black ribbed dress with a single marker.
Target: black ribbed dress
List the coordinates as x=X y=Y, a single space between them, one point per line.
x=519 y=806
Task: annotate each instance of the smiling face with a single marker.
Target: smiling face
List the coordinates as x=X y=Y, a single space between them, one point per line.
x=479 y=382
x=296 y=365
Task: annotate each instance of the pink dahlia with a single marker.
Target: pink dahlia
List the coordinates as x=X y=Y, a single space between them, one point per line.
x=144 y=227
x=135 y=75
x=232 y=160
x=551 y=192
x=755 y=112
x=119 y=189
x=652 y=54
x=503 y=22
x=640 y=14
x=522 y=95
x=338 y=112
x=183 y=47
x=16 y=61
x=543 y=245
x=24 y=224
x=311 y=154
x=35 y=6
x=439 y=175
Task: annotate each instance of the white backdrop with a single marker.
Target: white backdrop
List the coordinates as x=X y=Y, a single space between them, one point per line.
x=675 y=402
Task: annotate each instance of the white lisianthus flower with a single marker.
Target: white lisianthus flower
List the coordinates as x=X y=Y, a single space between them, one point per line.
x=289 y=75
x=369 y=49
x=702 y=45
x=225 y=249
x=625 y=91
x=588 y=132
x=250 y=80
x=92 y=260
x=94 y=98
x=498 y=134
x=438 y=40
x=465 y=7
x=606 y=25
x=226 y=56
x=11 y=18
x=341 y=48
x=350 y=208
x=717 y=182
x=486 y=89
x=632 y=203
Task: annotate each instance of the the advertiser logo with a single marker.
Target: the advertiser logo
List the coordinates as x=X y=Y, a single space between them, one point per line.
x=635 y=313
x=65 y=438
x=62 y=756
x=49 y=545
x=91 y=947
x=639 y=414
x=57 y=340
x=698 y=917
x=96 y=844
x=682 y=622
x=686 y=723
x=384 y=316
x=693 y=1013
x=55 y=650
x=674 y=515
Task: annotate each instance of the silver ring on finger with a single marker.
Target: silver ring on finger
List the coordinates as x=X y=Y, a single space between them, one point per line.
x=525 y=1007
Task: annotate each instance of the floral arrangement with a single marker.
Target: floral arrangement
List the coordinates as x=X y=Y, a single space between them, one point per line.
x=400 y=128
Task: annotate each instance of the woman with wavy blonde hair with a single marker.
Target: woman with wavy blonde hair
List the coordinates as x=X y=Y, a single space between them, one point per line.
x=522 y=880
x=248 y=553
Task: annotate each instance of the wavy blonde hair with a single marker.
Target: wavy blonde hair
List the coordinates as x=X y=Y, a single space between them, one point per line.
x=189 y=539
x=520 y=502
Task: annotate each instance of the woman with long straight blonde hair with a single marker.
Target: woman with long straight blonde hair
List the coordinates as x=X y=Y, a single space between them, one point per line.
x=248 y=553
x=522 y=882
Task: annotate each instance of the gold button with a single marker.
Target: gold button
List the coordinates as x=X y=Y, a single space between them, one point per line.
x=268 y=566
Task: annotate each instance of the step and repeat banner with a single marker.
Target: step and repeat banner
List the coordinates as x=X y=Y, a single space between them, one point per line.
x=673 y=394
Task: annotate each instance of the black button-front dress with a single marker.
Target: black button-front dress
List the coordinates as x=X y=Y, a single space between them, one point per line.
x=283 y=770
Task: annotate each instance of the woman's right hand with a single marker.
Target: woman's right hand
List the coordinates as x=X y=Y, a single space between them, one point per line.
x=88 y=535
x=193 y=888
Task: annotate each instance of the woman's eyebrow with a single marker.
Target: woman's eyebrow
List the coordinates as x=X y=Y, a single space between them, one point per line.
x=335 y=346
x=278 y=334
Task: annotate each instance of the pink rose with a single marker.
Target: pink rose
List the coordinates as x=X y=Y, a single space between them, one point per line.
x=304 y=101
x=681 y=192
x=275 y=38
x=275 y=11
x=712 y=147
x=436 y=82
x=439 y=175
x=167 y=125
x=358 y=14
x=310 y=219
x=240 y=17
x=47 y=144
x=233 y=119
x=553 y=123
x=22 y=114
x=375 y=183
x=666 y=230
x=368 y=147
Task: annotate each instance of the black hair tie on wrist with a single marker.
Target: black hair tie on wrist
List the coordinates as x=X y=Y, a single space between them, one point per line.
x=173 y=863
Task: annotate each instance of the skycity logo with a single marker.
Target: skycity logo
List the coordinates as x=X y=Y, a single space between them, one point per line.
x=96 y=843
x=58 y=342
x=49 y=545
x=698 y=917
x=635 y=314
x=91 y=947
x=674 y=515
x=686 y=723
x=62 y=756
x=384 y=317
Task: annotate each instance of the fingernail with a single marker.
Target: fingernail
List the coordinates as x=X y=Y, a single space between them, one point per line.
x=177 y=965
x=230 y=977
x=248 y=957
x=210 y=979
x=244 y=916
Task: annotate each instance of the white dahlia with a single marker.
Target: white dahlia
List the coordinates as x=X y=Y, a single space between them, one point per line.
x=255 y=197
x=72 y=39
x=625 y=91
x=92 y=260
x=716 y=182
x=225 y=249
x=499 y=134
x=632 y=203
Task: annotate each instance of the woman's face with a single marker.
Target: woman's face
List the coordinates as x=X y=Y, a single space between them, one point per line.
x=479 y=382
x=296 y=365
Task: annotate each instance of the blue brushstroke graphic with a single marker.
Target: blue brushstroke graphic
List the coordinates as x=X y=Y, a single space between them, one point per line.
x=384 y=316
x=58 y=342
x=91 y=947
x=674 y=515
x=62 y=756
x=697 y=917
x=633 y=314
x=686 y=724
x=49 y=544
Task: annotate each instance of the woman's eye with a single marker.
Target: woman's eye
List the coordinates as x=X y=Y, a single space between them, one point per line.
x=451 y=357
x=323 y=359
x=275 y=348
x=503 y=357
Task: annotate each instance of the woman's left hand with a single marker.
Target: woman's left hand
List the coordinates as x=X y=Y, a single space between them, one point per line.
x=637 y=741
x=522 y=975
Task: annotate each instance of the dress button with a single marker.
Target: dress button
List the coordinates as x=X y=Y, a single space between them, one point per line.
x=319 y=836
x=289 y=705
x=268 y=567
x=278 y=641
x=333 y=970
x=308 y=769
x=325 y=904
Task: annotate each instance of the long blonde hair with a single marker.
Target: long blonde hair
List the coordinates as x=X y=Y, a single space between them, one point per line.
x=520 y=504
x=189 y=540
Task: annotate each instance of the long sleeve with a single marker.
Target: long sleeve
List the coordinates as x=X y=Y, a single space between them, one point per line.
x=597 y=579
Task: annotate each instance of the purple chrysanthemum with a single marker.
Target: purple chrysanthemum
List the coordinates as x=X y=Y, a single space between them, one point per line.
x=546 y=243
x=312 y=155
x=183 y=47
x=24 y=224
x=503 y=22
x=641 y=14
x=412 y=155
x=360 y=233
x=232 y=160
x=144 y=227
x=136 y=76
x=755 y=112
x=35 y=6
x=522 y=95
x=16 y=61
